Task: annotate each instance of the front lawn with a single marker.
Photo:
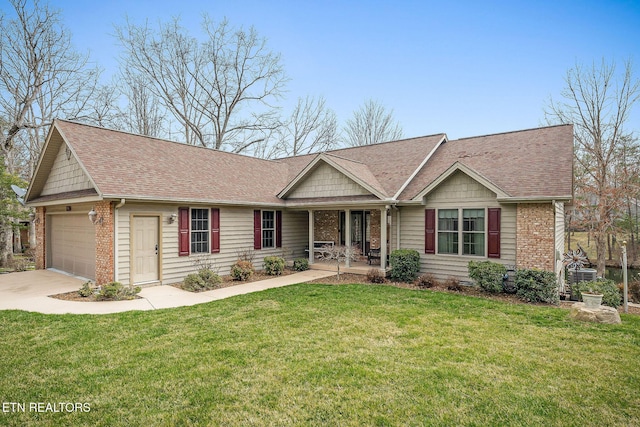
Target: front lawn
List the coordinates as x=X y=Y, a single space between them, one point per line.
x=323 y=355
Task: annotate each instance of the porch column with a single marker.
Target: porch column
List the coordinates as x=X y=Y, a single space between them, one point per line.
x=398 y=228
x=347 y=232
x=383 y=238
x=311 y=234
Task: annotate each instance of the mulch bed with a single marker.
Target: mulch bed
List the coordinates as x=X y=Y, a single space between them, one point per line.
x=345 y=278
x=75 y=296
x=464 y=290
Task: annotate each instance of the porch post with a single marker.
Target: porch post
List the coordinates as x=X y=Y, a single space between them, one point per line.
x=398 y=228
x=347 y=232
x=311 y=234
x=383 y=238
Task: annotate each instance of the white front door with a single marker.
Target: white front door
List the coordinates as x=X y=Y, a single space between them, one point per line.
x=145 y=249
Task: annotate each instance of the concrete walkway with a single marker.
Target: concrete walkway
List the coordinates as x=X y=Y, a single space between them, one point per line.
x=30 y=291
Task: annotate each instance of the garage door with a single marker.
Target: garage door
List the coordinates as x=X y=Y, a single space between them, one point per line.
x=73 y=245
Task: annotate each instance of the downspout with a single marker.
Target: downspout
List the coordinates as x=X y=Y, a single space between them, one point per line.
x=115 y=239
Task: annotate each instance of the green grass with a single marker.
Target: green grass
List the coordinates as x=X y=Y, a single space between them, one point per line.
x=324 y=355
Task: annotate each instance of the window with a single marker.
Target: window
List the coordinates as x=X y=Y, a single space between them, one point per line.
x=199 y=231
x=473 y=232
x=268 y=229
x=448 y=231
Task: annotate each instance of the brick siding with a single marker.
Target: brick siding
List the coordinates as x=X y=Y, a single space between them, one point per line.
x=41 y=243
x=104 y=243
x=325 y=226
x=535 y=233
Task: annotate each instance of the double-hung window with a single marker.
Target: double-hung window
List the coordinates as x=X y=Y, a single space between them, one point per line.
x=473 y=232
x=268 y=229
x=199 y=231
x=448 y=236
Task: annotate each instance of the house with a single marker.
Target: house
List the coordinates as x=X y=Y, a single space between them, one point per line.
x=116 y=206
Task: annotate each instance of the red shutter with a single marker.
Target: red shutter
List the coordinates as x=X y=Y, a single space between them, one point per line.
x=257 y=229
x=430 y=231
x=278 y=229
x=493 y=249
x=215 y=230
x=183 y=231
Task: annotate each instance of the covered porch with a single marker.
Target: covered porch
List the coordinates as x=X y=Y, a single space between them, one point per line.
x=366 y=229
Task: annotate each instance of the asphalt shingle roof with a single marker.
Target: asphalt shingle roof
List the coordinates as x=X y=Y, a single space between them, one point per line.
x=524 y=164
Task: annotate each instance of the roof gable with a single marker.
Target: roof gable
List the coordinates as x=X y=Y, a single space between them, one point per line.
x=534 y=164
x=66 y=174
x=454 y=170
x=391 y=164
x=123 y=165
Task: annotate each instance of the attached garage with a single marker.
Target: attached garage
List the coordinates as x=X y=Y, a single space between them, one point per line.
x=72 y=245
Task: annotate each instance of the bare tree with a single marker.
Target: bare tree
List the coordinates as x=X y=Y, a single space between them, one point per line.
x=372 y=124
x=41 y=77
x=220 y=91
x=338 y=254
x=312 y=127
x=143 y=114
x=598 y=103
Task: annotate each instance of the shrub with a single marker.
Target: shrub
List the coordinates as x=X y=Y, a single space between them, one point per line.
x=453 y=284
x=301 y=264
x=405 y=265
x=374 y=275
x=633 y=286
x=273 y=265
x=610 y=293
x=193 y=282
x=116 y=291
x=242 y=270
x=426 y=281
x=203 y=280
x=86 y=290
x=537 y=286
x=488 y=275
x=18 y=263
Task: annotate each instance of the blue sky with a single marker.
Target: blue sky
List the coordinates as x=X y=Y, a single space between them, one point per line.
x=461 y=67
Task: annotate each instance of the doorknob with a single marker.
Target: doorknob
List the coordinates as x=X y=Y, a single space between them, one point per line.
x=156 y=249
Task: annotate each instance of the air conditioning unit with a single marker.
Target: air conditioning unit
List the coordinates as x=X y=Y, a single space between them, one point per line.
x=584 y=275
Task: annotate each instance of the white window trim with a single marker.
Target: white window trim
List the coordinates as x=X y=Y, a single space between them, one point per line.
x=263 y=229
x=208 y=231
x=461 y=232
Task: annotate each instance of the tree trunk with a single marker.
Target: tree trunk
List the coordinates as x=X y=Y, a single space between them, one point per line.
x=601 y=252
x=6 y=244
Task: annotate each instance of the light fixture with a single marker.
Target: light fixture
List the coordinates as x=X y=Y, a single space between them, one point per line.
x=93 y=217
x=172 y=218
x=32 y=216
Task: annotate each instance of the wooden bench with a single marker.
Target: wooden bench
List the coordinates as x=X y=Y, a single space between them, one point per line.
x=319 y=246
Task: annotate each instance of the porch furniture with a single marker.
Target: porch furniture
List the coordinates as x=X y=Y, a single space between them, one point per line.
x=373 y=254
x=319 y=246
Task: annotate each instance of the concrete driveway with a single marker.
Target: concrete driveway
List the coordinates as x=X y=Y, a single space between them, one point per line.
x=30 y=291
